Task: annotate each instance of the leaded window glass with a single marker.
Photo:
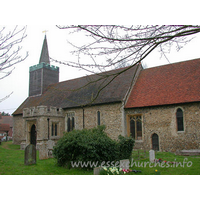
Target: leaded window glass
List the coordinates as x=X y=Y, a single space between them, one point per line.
x=179 y=119
x=136 y=127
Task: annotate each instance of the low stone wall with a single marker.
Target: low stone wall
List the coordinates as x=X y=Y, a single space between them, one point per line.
x=192 y=152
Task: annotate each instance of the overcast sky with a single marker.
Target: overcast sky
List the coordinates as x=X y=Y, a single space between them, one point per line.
x=18 y=81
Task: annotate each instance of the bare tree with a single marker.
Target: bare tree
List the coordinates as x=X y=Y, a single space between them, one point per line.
x=109 y=46
x=9 y=51
x=112 y=44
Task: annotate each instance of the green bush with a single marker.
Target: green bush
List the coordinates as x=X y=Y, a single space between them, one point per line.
x=91 y=145
x=125 y=147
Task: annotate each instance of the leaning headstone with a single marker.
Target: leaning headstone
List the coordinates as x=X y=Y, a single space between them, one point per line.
x=30 y=155
x=124 y=164
x=151 y=155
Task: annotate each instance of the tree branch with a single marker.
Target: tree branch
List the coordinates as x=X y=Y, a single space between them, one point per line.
x=111 y=45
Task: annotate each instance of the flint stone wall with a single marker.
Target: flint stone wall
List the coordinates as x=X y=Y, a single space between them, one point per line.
x=18 y=129
x=111 y=115
x=162 y=121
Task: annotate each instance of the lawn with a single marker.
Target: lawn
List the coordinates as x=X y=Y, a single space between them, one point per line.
x=12 y=163
x=179 y=165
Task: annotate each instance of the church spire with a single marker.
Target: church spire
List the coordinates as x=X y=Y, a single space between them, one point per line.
x=44 y=57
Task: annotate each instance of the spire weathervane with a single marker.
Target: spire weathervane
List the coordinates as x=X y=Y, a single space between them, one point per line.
x=45 y=31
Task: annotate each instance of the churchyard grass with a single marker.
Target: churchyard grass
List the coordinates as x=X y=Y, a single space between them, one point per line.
x=12 y=163
x=191 y=166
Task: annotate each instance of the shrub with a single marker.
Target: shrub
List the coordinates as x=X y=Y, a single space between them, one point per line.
x=91 y=145
x=125 y=147
x=85 y=145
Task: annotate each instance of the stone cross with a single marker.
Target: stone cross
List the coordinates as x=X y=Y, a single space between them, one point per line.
x=30 y=155
x=151 y=155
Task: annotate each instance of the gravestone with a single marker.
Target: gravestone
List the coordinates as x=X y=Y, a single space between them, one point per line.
x=50 y=145
x=97 y=170
x=124 y=164
x=43 y=151
x=30 y=155
x=151 y=155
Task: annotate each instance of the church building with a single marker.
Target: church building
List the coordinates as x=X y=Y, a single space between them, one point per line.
x=159 y=107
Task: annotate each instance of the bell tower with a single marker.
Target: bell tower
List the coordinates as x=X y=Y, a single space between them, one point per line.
x=43 y=74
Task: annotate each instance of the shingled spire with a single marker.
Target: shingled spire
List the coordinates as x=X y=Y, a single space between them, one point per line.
x=44 y=58
x=43 y=74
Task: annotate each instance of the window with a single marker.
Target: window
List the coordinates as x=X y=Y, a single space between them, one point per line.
x=73 y=121
x=54 y=129
x=68 y=125
x=179 y=120
x=155 y=142
x=135 y=127
x=70 y=122
x=98 y=118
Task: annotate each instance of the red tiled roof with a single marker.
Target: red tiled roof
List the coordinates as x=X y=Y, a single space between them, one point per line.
x=4 y=128
x=6 y=120
x=168 y=84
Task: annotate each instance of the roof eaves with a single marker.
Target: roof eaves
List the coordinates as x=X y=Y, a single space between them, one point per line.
x=157 y=105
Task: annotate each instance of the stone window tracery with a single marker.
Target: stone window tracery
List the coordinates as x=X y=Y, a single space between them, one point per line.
x=54 y=129
x=135 y=127
x=70 y=121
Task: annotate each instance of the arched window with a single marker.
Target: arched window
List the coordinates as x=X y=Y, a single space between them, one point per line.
x=70 y=122
x=73 y=123
x=155 y=142
x=54 y=129
x=98 y=118
x=179 y=120
x=135 y=124
x=33 y=135
x=68 y=125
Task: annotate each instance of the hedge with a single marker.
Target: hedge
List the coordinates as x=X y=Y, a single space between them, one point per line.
x=91 y=145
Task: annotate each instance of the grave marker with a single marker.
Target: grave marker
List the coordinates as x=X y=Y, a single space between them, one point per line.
x=43 y=152
x=50 y=145
x=97 y=170
x=30 y=155
x=151 y=155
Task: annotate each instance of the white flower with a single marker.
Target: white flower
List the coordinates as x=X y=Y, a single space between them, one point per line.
x=105 y=169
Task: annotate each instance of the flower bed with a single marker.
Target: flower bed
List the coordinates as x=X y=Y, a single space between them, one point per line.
x=116 y=171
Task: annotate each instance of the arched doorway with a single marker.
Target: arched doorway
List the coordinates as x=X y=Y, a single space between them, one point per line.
x=155 y=142
x=33 y=135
